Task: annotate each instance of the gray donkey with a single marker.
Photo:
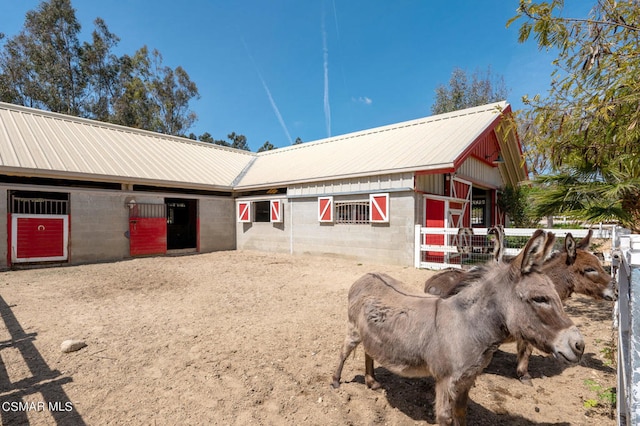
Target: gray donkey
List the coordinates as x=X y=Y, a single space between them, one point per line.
x=453 y=340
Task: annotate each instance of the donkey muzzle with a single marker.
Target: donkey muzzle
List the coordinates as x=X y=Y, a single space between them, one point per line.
x=569 y=346
x=611 y=292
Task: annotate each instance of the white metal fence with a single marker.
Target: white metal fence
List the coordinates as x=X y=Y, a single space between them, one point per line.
x=439 y=248
x=626 y=267
x=445 y=247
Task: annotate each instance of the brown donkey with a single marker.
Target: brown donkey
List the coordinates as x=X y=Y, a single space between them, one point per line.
x=445 y=282
x=572 y=270
x=453 y=340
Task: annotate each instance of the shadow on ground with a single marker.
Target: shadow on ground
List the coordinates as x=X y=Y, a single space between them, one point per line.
x=14 y=407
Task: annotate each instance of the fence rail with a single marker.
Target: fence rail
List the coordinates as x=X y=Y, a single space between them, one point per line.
x=440 y=248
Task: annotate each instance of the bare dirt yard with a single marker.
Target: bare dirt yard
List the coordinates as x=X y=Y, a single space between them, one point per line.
x=242 y=337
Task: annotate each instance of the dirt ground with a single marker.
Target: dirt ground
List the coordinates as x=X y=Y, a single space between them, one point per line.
x=242 y=337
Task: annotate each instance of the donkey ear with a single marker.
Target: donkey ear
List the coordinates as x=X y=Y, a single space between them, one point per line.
x=585 y=242
x=536 y=251
x=570 y=248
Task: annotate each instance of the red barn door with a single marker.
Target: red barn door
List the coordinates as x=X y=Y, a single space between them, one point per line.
x=147 y=229
x=39 y=237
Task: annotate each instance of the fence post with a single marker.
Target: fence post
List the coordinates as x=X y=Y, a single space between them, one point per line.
x=417 y=243
x=628 y=316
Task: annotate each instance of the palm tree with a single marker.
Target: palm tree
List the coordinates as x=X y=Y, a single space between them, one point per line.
x=593 y=194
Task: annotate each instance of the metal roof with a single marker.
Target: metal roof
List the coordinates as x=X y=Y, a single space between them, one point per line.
x=431 y=143
x=39 y=143
x=45 y=144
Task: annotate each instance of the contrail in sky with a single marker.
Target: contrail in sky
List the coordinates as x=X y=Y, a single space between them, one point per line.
x=266 y=88
x=327 y=108
x=335 y=18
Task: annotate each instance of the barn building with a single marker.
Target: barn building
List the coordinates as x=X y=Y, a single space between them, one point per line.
x=81 y=191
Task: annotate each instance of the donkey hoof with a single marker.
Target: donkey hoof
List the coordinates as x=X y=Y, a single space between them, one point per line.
x=335 y=383
x=526 y=380
x=372 y=383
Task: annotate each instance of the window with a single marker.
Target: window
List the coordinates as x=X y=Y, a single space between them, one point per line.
x=260 y=211
x=371 y=210
x=352 y=212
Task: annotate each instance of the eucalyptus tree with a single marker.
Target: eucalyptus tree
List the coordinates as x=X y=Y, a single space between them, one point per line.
x=41 y=65
x=464 y=91
x=235 y=141
x=267 y=146
x=47 y=67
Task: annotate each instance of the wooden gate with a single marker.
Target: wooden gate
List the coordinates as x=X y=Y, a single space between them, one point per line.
x=460 y=203
x=147 y=229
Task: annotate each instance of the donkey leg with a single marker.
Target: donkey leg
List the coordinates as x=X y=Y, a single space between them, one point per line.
x=369 y=374
x=460 y=403
x=444 y=409
x=524 y=352
x=350 y=342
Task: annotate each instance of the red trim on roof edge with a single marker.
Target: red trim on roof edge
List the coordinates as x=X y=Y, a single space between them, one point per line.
x=467 y=152
x=435 y=171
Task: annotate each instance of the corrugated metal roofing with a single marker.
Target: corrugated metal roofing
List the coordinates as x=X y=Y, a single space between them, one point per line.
x=38 y=143
x=424 y=144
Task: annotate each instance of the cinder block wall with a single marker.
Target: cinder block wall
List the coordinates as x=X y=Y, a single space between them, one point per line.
x=4 y=244
x=390 y=243
x=301 y=233
x=99 y=222
x=217 y=224
x=265 y=236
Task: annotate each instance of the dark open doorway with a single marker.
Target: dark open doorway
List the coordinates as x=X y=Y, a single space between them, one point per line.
x=182 y=218
x=481 y=208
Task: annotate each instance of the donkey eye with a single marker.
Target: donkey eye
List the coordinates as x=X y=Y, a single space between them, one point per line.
x=541 y=299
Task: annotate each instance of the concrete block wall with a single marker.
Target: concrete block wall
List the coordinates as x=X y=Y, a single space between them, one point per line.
x=390 y=243
x=301 y=233
x=266 y=236
x=217 y=224
x=99 y=223
x=4 y=245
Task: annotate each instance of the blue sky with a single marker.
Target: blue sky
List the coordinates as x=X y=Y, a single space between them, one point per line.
x=275 y=70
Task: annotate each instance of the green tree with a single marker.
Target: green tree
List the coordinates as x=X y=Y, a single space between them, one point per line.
x=465 y=92
x=205 y=137
x=41 y=65
x=235 y=141
x=514 y=202
x=267 y=146
x=171 y=90
x=101 y=68
x=133 y=106
x=586 y=126
x=45 y=66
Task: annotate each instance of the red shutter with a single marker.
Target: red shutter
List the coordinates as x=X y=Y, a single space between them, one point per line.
x=244 y=211
x=379 y=208
x=276 y=211
x=325 y=209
